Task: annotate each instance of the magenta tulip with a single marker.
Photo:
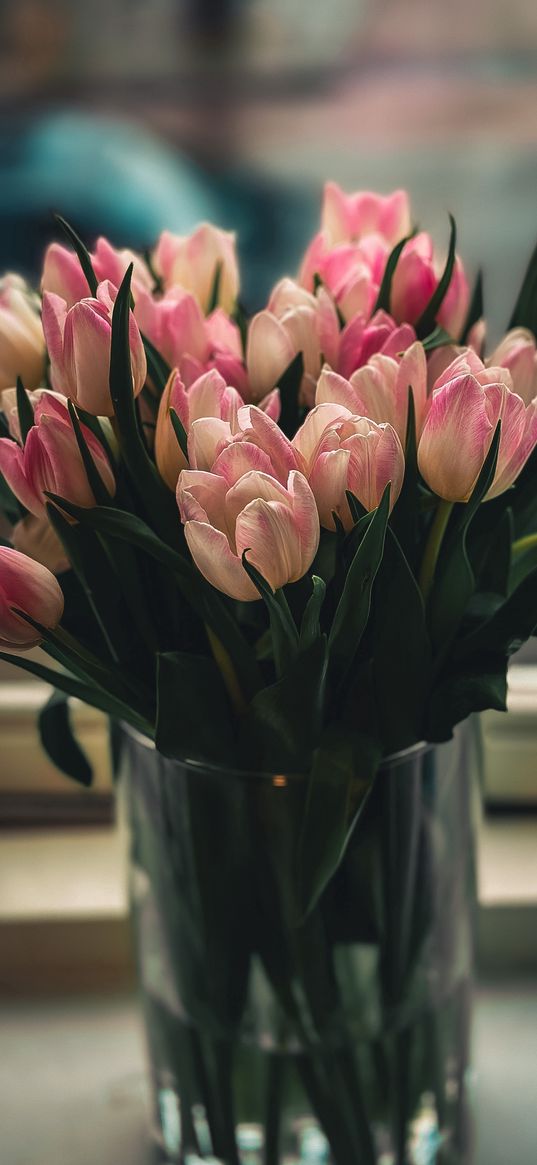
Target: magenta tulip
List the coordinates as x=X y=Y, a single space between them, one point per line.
x=344 y=452
x=22 y=344
x=192 y=263
x=50 y=460
x=26 y=586
x=276 y=525
x=78 y=342
x=416 y=278
x=361 y=339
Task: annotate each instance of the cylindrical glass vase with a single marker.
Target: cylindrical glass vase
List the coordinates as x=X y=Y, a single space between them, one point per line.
x=341 y=1037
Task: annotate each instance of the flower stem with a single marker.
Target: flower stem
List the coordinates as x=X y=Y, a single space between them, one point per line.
x=522 y=544
x=434 y=542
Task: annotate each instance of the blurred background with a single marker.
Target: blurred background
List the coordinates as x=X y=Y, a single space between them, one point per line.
x=128 y=116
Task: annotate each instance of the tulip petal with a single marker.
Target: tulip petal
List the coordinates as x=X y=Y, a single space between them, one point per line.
x=267 y=530
x=455 y=438
x=269 y=351
x=211 y=553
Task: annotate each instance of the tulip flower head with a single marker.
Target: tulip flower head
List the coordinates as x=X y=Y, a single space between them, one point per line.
x=26 y=586
x=50 y=460
x=78 y=341
x=344 y=452
x=62 y=274
x=348 y=217
x=518 y=352
x=22 y=344
x=416 y=278
x=194 y=262
x=380 y=389
x=295 y=321
x=276 y=525
x=209 y=396
x=252 y=440
x=466 y=405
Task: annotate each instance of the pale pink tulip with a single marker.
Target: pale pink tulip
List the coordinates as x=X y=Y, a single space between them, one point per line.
x=416 y=278
x=277 y=525
x=22 y=344
x=62 y=274
x=191 y=263
x=380 y=389
x=51 y=460
x=345 y=452
x=251 y=440
x=27 y=586
x=351 y=272
x=209 y=396
x=518 y=352
x=8 y=405
x=467 y=402
x=78 y=342
x=361 y=339
x=295 y=321
x=347 y=217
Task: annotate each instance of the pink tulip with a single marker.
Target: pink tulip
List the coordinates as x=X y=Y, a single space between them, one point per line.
x=467 y=402
x=22 y=344
x=189 y=341
x=379 y=390
x=8 y=405
x=295 y=321
x=231 y=447
x=209 y=396
x=277 y=526
x=63 y=275
x=50 y=460
x=192 y=262
x=351 y=272
x=347 y=217
x=345 y=452
x=27 y=586
x=361 y=339
x=416 y=278
x=518 y=352
x=78 y=342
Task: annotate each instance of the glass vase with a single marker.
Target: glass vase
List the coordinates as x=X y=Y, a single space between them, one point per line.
x=274 y=1039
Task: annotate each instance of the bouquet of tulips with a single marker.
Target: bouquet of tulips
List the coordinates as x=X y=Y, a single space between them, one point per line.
x=293 y=542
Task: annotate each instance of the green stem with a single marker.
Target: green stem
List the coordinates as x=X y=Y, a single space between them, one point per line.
x=522 y=544
x=434 y=543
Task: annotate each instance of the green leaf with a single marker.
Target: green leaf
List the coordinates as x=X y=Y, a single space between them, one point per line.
x=194 y=716
x=358 y=511
x=214 y=297
x=427 y=320
x=25 y=410
x=95 y=481
x=523 y=563
x=58 y=740
x=339 y=784
x=180 y=433
x=310 y=625
x=401 y=650
x=525 y=310
x=383 y=302
x=289 y=385
x=475 y=310
x=282 y=625
x=157 y=367
x=352 y=612
x=437 y=339
x=284 y=720
x=491 y=558
x=475 y=688
x=509 y=627
x=82 y=252
x=406 y=507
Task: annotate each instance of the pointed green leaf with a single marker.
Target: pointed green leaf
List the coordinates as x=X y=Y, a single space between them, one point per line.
x=82 y=253
x=25 y=410
x=310 y=626
x=214 y=297
x=525 y=310
x=284 y=721
x=289 y=386
x=282 y=625
x=58 y=740
x=180 y=433
x=95 y=481
x=157 y=367
x=383 y=302
x=464 y=692
x=427 y=319
x=437 y=339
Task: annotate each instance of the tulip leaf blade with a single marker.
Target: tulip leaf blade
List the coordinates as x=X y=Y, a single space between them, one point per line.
x=509 y=626
x=405 y=509
x=438 y=338
x=475 y=309
x=283 y=629
x=339 y=784
x=159 y=370
x=95 y=481
x=352 y=613
x=484 y=480
x=180 y=433
x=190 y=694
x=24 y=410
x=358 y=511
x=522 y=564
x=289 y=386
x=59 y=742
x=524 y=314
x=82 y=253
x=214 y=294
x=427 y=320
x=465 y=691
x=383 y=301
x=282 y=726
x=310 y=629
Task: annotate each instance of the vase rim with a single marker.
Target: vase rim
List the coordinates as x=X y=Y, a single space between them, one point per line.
x=388 y=762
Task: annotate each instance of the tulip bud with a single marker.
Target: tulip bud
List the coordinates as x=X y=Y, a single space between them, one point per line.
x=277 y=525
x=294 y=321
x=78 y=342
x=27 y=586
x=518 y=352
x=63 y=275
x=344 y=452
x=209 y=396
x=380 y=389
x=51 y=460
x=193 y=262
x=22 y=344
x=347 y=217
x=416 y=278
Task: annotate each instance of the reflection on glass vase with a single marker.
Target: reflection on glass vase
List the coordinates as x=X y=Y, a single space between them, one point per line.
x=275 y=1039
